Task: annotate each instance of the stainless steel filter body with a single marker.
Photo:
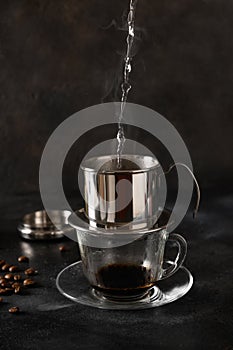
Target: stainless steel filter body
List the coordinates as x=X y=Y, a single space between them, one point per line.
x=119 y=194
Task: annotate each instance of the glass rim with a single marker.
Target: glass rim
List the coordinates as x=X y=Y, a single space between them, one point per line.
x=79 y=221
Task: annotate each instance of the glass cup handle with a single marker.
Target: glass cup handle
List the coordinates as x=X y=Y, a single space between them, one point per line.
x=182 y=250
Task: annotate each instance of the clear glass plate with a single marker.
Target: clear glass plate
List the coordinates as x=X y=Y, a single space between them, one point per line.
x=72 y=283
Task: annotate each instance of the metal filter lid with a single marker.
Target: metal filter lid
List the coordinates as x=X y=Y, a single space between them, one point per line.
x=38 y=225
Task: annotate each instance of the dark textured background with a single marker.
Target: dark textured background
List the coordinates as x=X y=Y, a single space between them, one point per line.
x=57 y=57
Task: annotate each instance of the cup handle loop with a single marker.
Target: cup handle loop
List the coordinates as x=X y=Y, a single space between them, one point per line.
x=182 y=250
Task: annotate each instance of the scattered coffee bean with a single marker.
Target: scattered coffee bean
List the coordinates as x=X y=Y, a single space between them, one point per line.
x=18 y=290
x=9 y=290
x=6 y=291
x=13 y=268
x=17 y=277
x=62 y=248
x=30 y=272
x=14 y=310
x=28 y=282
x=5 y=267
x=23 y=259
x=9 y=276
x=4 y=283
x=2 y=262
x=10 y=282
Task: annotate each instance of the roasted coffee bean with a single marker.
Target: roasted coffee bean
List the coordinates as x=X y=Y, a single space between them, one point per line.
x=9 y=276
x=6 y=291
x=15 y=285
x=9 y=290
x=30 y=272
x=14 y=310
x=17 y=277
x=23 y=259
x=28 y=282
x=2 y=262
x=5 y=267
x=62 y=248
x=18 y=290
x=4 y=283
x=13 y=268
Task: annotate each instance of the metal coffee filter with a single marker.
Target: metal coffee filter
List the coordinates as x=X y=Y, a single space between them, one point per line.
x=117 y=195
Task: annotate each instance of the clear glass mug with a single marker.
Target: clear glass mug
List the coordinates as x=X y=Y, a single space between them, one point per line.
x=125 y=265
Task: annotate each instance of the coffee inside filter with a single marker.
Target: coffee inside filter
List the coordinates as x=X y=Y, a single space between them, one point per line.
x=115 y=165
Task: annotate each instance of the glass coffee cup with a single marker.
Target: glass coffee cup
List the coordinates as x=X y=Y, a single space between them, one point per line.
x=125 y=265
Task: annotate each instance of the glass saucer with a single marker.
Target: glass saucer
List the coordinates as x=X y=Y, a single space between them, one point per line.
x=72 y=283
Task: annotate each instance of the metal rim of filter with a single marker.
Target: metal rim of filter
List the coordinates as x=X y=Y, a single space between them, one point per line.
x=94 y=164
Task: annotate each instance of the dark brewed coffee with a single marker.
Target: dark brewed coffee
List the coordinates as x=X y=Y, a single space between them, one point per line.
x=124 y=280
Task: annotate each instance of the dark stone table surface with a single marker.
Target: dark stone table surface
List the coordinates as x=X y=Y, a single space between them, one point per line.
x=200 y=320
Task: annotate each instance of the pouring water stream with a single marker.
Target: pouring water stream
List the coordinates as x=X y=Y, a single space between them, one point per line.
x=126 y=86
